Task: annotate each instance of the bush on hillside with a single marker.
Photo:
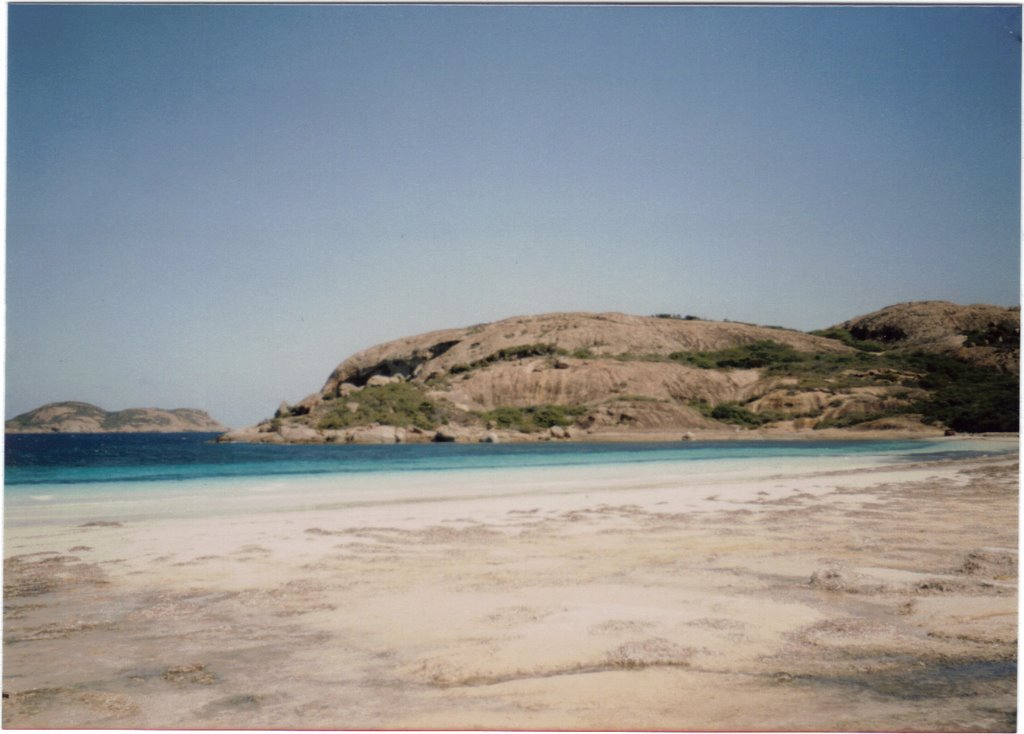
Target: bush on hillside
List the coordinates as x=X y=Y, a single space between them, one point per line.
x=964 y=396
x=397 y=404
x=1004 y=335
x=534 y=417
x=747 y=356
x=844 y=336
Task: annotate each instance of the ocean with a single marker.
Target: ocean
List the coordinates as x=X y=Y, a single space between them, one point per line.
x=174 y=474
x=141 y=458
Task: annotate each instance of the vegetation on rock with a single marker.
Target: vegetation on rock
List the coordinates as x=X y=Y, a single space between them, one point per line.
x=917 y=364
x=1003 y=335
x=843 y=335
x=736 y=414
x=964 y=396
x=534 y=417
x=748 y=356
x=397 y=404
x=509 y=354
x=960 y=395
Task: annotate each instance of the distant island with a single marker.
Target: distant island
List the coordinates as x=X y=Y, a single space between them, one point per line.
x=918 y=368
x=75 y=417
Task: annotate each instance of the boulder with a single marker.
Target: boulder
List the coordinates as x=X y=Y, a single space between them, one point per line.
x=283 y=410
x=253 y=434
x=447 y=434
x=490 y=437
x=413 y=434
x=377 y=434
x=347 y=388
x=378 y=380
x=556 y=432
x=299 y=434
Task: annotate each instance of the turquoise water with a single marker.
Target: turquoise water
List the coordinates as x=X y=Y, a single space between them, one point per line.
x=67 y=460
x=65 y=478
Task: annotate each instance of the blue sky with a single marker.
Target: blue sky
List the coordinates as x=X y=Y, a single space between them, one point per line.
x=212 y=206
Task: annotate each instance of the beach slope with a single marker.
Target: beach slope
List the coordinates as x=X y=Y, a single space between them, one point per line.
x=858 y=599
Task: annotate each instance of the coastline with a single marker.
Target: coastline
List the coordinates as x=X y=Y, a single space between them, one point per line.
x=380 y=434
x=862 y=598
x=782 y=434
x=377 y=434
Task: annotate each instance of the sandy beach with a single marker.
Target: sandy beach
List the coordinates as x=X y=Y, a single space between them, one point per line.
x=785 y=598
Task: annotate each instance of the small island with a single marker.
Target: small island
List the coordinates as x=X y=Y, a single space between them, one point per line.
x=77 y=417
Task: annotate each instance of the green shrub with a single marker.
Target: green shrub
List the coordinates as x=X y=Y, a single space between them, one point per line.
x=747 y=356
x=508 y=354
x=886 y=334
x=1004 y=335
x=960 y=395
x=397 y=404
x=524 y=350
x=844 y=336
x=702 y=406
x=964 y=396
x=534 y=417
x=736 y=414
x=703 y=360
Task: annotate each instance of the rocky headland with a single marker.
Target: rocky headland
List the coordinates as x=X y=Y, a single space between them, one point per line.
x=922 y=368
x=76 y=417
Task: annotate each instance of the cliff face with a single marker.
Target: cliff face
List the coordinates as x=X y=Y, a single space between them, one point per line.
x=74 y=417
x=604 y=374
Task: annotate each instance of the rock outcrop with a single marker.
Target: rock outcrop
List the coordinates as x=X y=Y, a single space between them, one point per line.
x=979 y=333
x=75 y=417
x=604 y=375
x=600 y=336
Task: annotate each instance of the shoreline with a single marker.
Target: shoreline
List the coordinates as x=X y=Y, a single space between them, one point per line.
x=53 y=503
x=379 y=434
x=864 y=598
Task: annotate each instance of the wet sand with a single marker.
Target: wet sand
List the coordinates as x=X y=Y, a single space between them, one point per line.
x=860 y=600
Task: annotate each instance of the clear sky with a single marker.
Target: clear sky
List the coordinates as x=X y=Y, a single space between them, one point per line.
x=212 y=206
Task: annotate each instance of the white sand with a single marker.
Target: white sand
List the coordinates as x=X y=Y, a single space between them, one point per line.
x=760 y=597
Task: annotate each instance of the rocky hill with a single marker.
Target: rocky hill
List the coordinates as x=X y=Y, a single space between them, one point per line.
x=74 y=417
x=986 y=335
x=609 y=375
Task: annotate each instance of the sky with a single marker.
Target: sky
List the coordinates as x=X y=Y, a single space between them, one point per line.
x=212 y=206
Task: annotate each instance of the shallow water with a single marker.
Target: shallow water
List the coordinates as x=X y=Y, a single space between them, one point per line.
x=55 y=459
x=51 y=477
